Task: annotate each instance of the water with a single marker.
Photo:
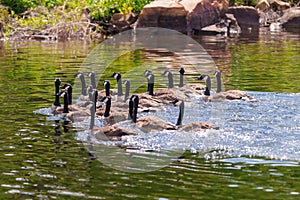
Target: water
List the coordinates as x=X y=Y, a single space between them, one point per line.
x=255 y=154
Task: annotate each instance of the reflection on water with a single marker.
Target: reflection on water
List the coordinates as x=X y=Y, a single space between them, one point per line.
x=255 y=156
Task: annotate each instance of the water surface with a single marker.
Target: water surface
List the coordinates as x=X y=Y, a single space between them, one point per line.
x=254 y=155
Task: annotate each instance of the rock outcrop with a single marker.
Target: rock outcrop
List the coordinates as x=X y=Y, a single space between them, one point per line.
x=247 y=18
x=291 y=19
x=183 y=15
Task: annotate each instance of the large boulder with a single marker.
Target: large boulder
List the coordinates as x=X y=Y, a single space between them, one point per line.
x=247 y=18
x=291 y=19
x=164 y=14
x=183 y=15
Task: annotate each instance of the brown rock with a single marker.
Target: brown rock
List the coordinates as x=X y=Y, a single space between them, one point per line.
x=123 y=21
x=291 y=19
x=247 y=18
x=184 y=16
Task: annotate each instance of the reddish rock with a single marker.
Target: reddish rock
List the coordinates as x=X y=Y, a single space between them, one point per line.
x=247 y=18
x=184 y=16
x=164 y=14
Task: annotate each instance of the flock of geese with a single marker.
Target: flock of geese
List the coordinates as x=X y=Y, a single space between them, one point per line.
x=112 y=105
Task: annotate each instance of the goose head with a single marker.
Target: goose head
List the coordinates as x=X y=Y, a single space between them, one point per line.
x=116 y=75
x=181 y=71
x=147 y=72
x=170 y=78
x=150 y=79
x=93 y=79
x=68 y=88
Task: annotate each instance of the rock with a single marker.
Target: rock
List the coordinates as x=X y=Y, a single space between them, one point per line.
x=184 y=15
x=247 y=18
x=201 y=13
x=278 y=5
x=165 y=14
x=227 y=26
x=123 y=21
x=291 y=19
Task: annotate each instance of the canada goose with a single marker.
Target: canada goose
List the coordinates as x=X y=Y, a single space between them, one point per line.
x=193 y=126
x=118 y=77
x=69 y=89
x=106 y=92
x=80 y=75
x=207 y=80
x=224 y=96
x=72 y=115
x=189 y=89
x=147 y=123
x=151 y=123
x=111 y=133
x=112 y=114
x=93 y=79
x=57 y=85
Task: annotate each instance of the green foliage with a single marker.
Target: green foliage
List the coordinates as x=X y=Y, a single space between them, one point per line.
x=103 y=10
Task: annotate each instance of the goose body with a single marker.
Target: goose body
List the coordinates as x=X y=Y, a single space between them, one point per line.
x=223 y=96
x=112 y=113
x=193 y=126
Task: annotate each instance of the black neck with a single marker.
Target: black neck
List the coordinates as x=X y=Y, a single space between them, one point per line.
x=127 y=90
x=57 y=84
x=170 y=77
x=151 y=84
x=119 y=80
x=93 y=80
x=56 y=102
x=207 y=92
x=83 y=85
x=219 y=83
x=93 y=110
x=180 y=80
x=133 y=107
x=107 y=89
x=180 y=116
x=66 y=103
x=70 y=90
x=107 y=107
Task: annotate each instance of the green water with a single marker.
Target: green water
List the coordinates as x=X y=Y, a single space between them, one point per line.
x=41 y=159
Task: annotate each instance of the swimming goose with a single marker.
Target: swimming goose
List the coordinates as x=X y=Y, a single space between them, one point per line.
x=147 y=123
x=224 y=96
x=111 y=133
x=79 y=115
x=112 y=113
x=193 y=126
